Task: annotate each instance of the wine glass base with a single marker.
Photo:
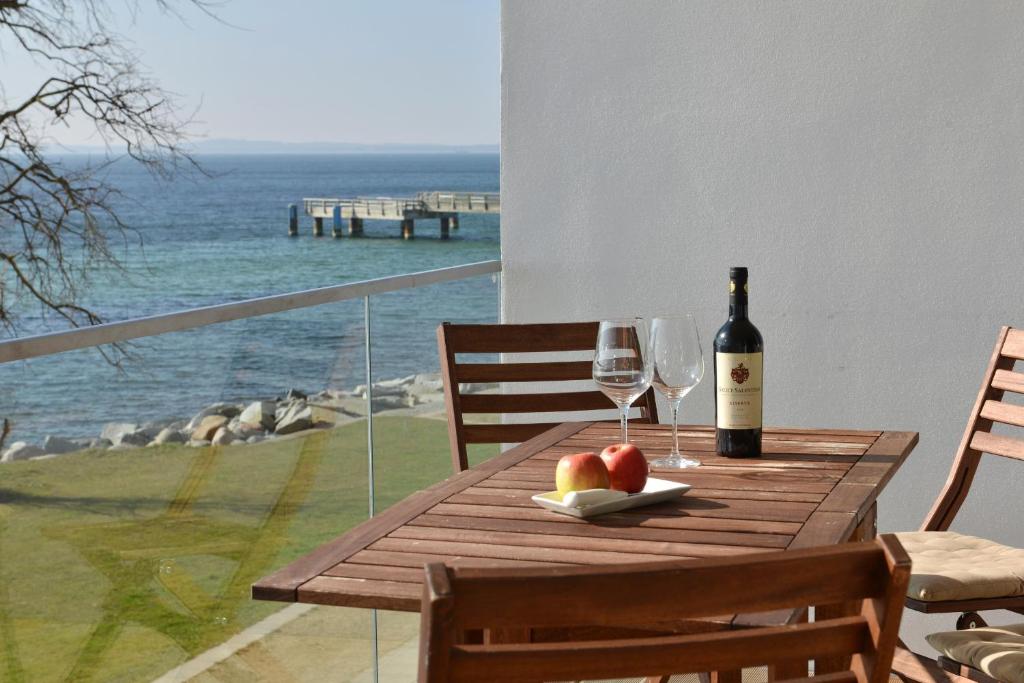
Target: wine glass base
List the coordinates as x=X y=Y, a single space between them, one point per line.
x=675 y=463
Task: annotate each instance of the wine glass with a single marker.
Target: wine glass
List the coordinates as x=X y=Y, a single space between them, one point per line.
x=619 y=367
x=678 y=366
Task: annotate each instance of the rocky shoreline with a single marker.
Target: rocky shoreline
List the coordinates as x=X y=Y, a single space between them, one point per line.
x=254 y=421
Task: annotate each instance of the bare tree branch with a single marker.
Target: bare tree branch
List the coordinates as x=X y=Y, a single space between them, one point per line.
x=57 y=221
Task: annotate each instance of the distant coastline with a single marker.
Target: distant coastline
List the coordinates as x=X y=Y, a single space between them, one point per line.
x=230 y=146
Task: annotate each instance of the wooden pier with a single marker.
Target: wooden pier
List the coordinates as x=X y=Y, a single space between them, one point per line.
x=350 y=213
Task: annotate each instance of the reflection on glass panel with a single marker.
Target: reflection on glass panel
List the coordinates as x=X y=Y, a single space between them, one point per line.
x=411 y=450
x=145 y=502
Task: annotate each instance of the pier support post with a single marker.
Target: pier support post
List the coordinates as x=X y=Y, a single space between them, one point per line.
x=293 y=220
x=355 y=226
x=455 y=222
x=336 y=231
x=445 y=223
x=318 y=226
x=407 y=229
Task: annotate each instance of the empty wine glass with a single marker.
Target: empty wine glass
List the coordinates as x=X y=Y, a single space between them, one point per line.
x=619 y=367
x=678 y=366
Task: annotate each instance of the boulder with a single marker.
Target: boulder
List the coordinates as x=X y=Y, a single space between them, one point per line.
x=256 y=438
x=295 y=395
x=198 y=443
x=328 y=395
x=100 y=442
x=222 y=437
x=207 y=427
x=138 y=438
x=116 y=431
x=259 y=414
x=154 y=427
x=381 y=389
x=294 y=418
x=223 y=409
x=58 y=445
x=242 y=432
x=431 y=382
x=21 y=450
x=169 y=435
x=475 y=387
x=357 y=406
x=426 y=390
x=392 y=383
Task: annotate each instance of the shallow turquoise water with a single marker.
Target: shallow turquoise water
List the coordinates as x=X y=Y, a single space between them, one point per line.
x=224 y=238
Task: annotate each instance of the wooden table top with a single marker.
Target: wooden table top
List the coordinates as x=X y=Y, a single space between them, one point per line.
x=811 y=487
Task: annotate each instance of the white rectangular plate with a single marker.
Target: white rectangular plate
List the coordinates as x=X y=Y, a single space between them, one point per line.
x=656 y=491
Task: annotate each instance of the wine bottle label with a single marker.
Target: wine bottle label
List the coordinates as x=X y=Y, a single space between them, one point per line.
x=738 y=390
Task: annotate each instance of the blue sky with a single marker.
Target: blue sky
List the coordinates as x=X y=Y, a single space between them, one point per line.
x=364 y=71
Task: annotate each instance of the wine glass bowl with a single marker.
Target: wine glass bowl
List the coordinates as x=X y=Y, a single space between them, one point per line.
x=677 y=366
x=620 y=369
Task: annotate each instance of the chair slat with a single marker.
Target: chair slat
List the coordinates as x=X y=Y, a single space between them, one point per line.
x=998 y=445
x=454 y=340
x=573 y=596
x=1007 y=380
x=1013 y=347
x=965 y=463
x=530 y=338
x=1006 y=413
x=505 y=433
x=558 y=371
x=606 y=609
x=654 y=656
x=535 y=403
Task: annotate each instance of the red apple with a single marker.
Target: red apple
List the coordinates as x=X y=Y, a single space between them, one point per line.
x=580 y=472
x=627 y=467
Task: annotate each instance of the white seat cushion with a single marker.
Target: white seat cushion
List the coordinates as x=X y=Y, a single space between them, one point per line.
x=996 y=650
x=952 y=566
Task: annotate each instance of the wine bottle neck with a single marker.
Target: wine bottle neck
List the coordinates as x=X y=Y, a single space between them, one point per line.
x=737 y=297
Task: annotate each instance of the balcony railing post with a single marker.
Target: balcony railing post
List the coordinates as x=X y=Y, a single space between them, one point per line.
x=369 y=464
x=369 y=399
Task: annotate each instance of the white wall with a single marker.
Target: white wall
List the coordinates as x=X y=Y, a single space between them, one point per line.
x=864 y=159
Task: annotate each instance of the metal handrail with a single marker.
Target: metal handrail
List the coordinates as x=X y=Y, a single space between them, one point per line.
x=35 y=346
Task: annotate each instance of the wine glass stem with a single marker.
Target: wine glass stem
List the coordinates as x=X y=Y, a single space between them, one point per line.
x=624 y=423
x=675 y=430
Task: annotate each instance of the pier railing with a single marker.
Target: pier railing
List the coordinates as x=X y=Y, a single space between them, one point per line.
x=142 y=554
x=466 y=202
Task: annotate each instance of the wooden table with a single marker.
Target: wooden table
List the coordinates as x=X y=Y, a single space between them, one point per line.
x=812 y=487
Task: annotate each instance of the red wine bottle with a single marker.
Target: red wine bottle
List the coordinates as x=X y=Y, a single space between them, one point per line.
x=739 y=366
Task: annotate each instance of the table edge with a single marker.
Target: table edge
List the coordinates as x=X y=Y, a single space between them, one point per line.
x=283 y=585
x=851 y=498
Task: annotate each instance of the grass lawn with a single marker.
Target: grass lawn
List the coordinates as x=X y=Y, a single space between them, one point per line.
x=119 y=565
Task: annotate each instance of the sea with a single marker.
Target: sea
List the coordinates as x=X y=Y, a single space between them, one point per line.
x=222 y=235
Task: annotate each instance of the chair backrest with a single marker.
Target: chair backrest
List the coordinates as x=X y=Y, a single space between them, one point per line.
x=535 y=338
x=455 y=600
x=988 y=410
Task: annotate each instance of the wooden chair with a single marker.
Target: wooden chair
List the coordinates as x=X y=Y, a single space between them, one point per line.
x=457 y=601
x=554 y=337
x=947 y=565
